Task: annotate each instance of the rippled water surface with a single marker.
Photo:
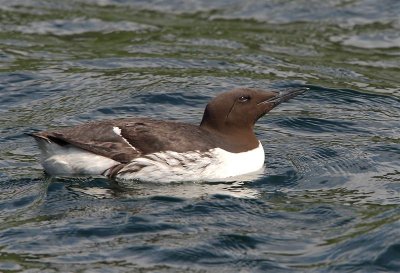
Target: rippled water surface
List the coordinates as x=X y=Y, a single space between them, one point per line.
x=328 y=199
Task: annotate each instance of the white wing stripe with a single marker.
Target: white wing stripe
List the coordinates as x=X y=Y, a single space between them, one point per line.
x=117 y=130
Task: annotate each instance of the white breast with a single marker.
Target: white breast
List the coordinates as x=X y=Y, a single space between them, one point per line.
x=193 y=166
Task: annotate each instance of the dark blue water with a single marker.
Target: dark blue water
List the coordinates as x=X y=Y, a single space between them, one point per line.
x=329 y=197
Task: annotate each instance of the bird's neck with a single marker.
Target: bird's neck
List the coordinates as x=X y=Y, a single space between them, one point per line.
x=238 y=139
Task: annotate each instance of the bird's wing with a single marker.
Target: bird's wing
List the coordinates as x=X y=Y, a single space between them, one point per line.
x=125 y=139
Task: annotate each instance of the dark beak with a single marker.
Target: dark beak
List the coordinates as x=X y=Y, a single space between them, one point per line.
x=282 y=96
x=285 y=95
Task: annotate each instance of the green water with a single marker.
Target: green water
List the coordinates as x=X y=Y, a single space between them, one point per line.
x=328 y=199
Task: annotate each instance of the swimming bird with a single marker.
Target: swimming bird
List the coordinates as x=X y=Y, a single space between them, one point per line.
x=223 y=144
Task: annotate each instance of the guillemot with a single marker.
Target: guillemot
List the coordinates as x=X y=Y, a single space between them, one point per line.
x=223 y=145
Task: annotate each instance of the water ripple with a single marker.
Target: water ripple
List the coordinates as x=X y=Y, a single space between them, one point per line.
x=80 y=26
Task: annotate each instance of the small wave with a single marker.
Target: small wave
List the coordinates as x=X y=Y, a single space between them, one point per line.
x=80 y=26
x=385 y=39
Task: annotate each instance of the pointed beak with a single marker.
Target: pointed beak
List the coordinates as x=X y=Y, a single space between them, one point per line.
x=284 y=95
x=280 y=97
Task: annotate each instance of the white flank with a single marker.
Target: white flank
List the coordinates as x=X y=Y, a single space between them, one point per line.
x=217 y=164
x=193 y=166
x=69 y=160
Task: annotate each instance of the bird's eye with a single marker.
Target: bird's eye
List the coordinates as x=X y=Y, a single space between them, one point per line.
x=243 y=98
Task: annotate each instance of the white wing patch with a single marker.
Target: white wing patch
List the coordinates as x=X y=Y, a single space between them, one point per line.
x=117 y=130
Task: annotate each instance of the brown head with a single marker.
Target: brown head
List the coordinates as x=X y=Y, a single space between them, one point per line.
x=235 y=112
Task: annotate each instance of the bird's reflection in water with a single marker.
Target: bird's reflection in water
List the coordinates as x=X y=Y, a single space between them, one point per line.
x=235 y=187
